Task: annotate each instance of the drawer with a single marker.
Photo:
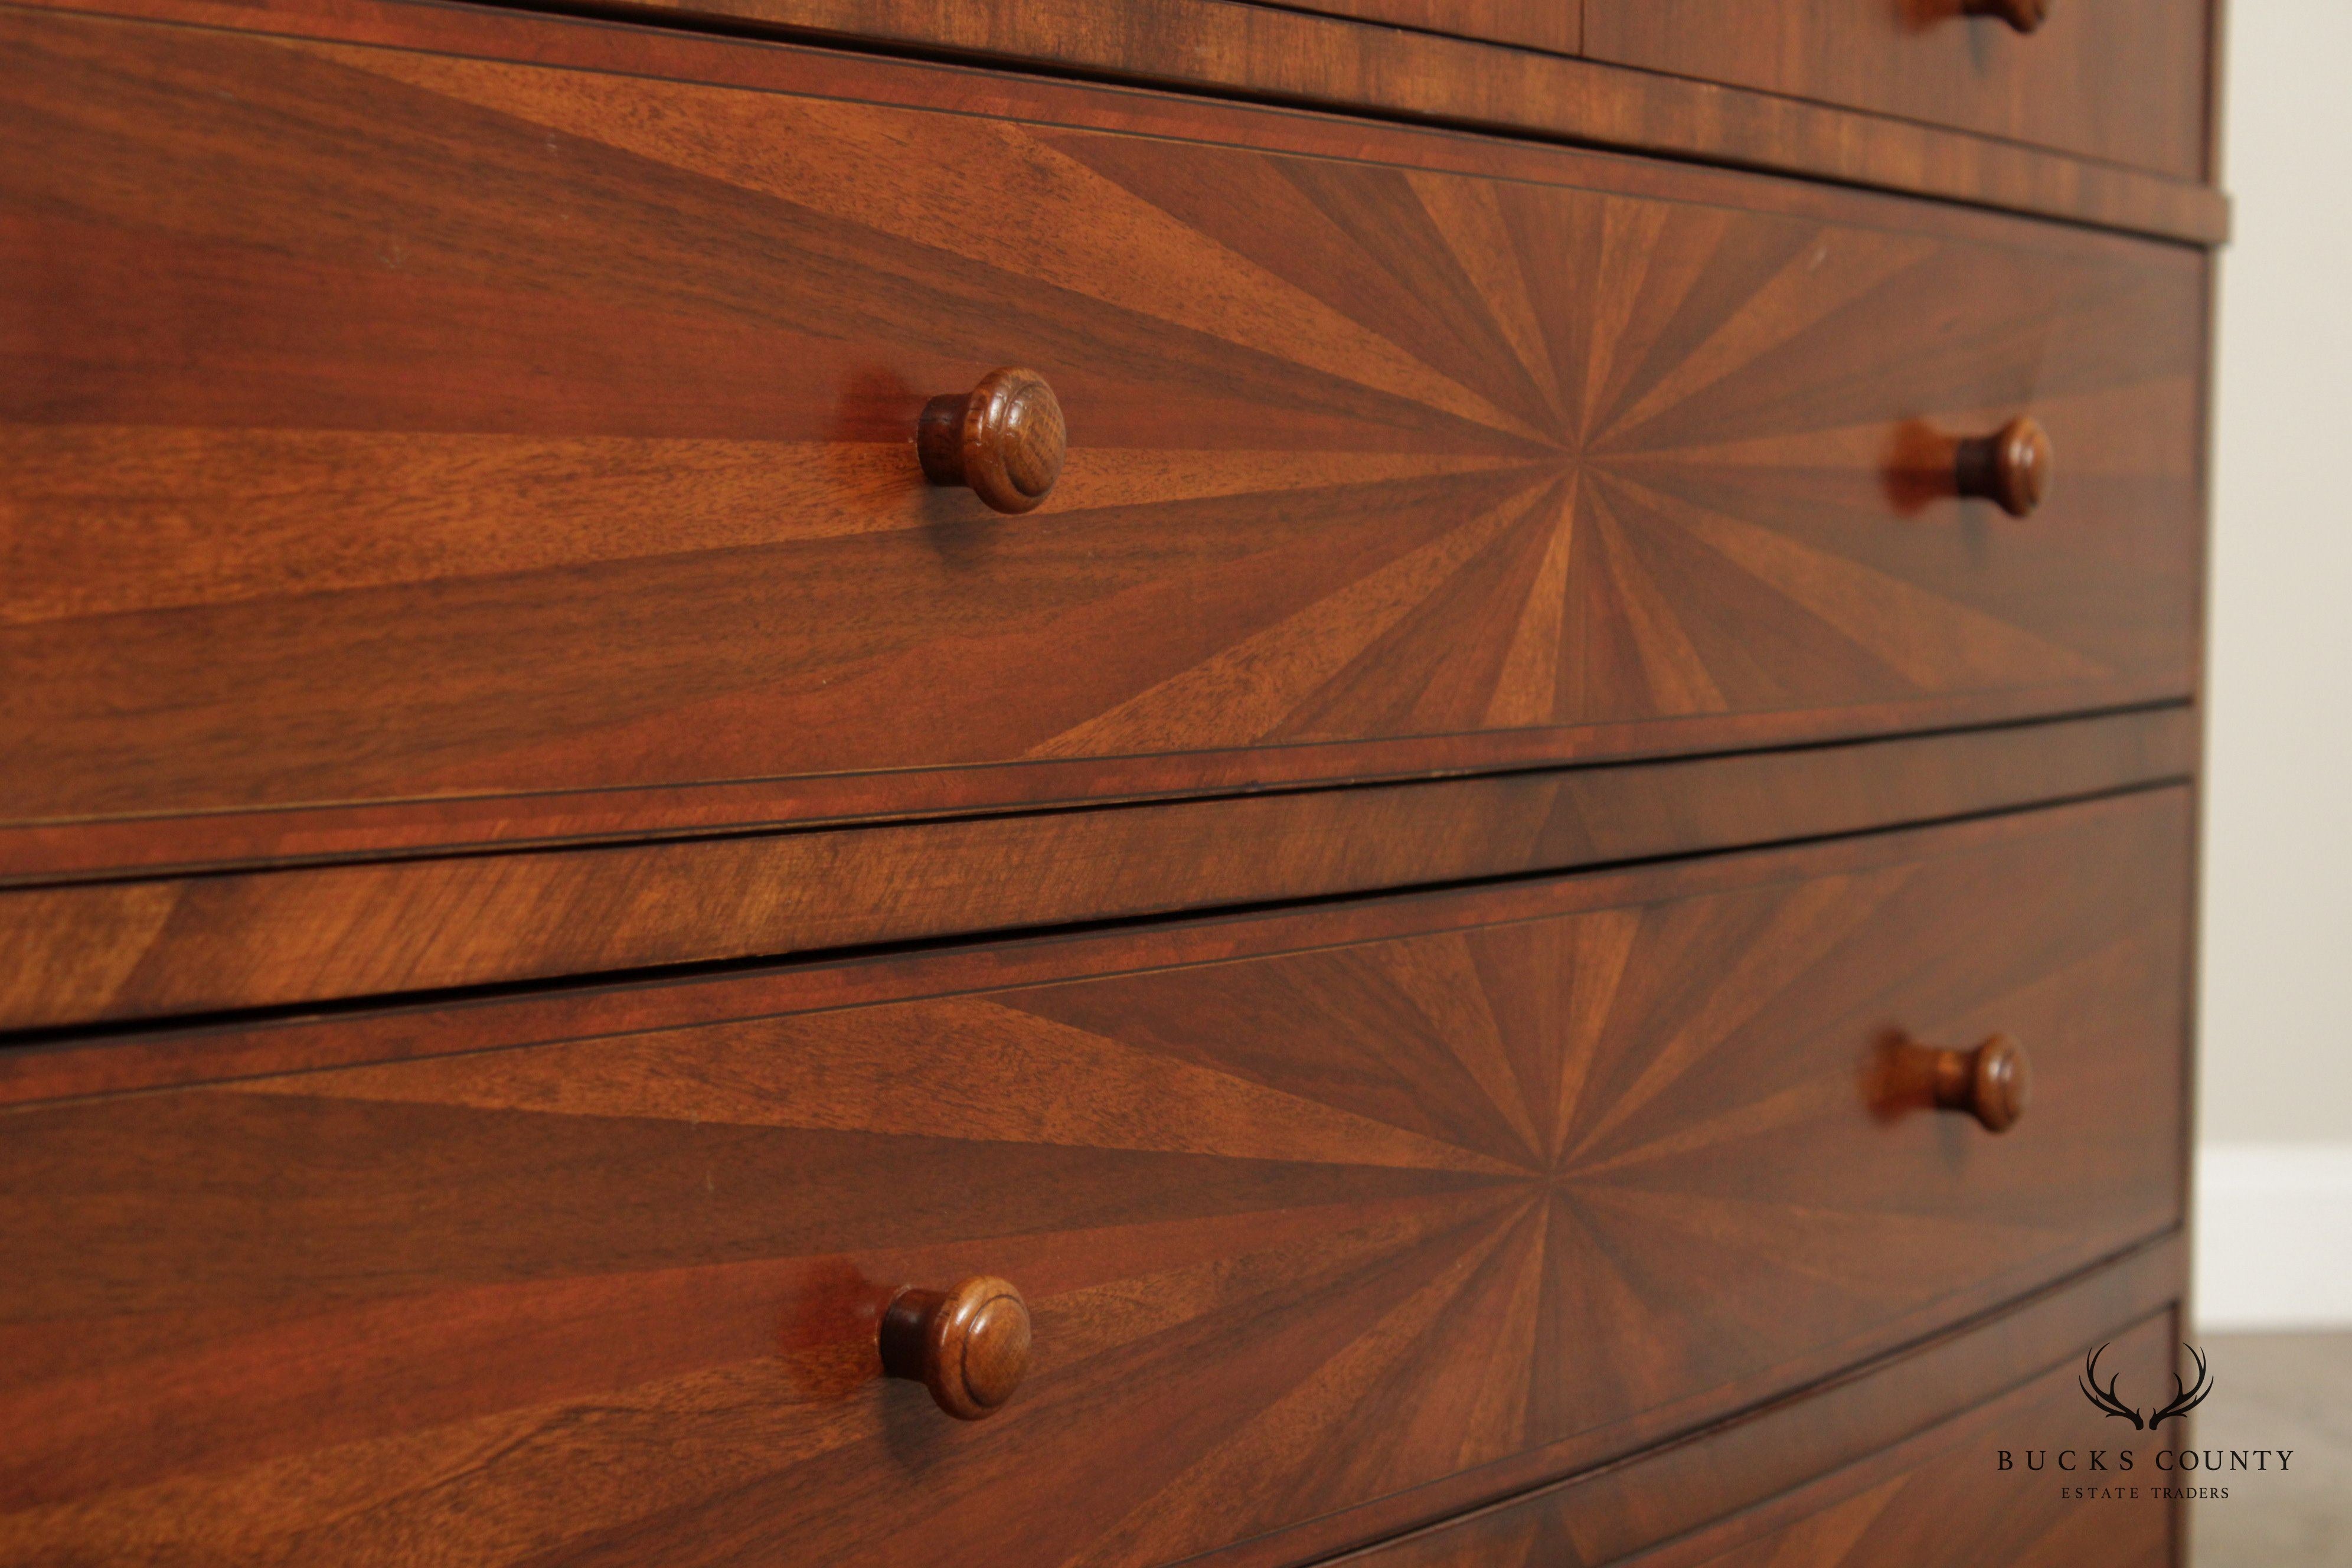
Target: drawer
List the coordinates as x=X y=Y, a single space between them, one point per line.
x=214 y=943
x=1395 y=1204
x=1895 y=1506
x=1898 y=1508
x=2126 y=84
x=409 y=449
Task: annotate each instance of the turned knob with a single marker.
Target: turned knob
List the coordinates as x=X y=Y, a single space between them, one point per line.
x=1004 y=438
x=2010 y=468
x=969 y=1346
x=2024 y=15
x=1989 y=1083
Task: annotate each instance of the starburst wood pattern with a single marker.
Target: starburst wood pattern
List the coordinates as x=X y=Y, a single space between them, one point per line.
x=1543 y=1174
x=1604 y=1514
x=550 y=442
x=1903 y=1506
x=1284 y=50
x=1899 y=1506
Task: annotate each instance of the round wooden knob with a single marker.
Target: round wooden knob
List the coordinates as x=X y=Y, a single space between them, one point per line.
x=1989 y=1083
x=2010 y=468
x=1004 y=438
x=2024 y=15
x=969 y=1346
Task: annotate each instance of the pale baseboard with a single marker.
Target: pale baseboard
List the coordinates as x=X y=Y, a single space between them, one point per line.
x=2273 y=1236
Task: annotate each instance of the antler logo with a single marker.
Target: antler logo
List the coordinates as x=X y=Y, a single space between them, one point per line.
x=2185 y=1398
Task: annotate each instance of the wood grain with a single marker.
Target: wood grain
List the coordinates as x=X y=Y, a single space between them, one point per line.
x=151 y=948
x=1898 y=1507
x=1519 y=1191
x=1993 y=1082
x=2011 y=466
x=1223 y=47
x=459 y=460
x=1895 y=1505
x=1554 y=25
x=969 y=1345
x=213 y=1051
x=2124 y=84
x=1005 y=441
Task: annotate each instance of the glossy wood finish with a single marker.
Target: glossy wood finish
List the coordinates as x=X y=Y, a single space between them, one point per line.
x=1005 y=441
x=969 y=1345
x=1554 y=25
x=154 y=948
x=1991 y=1083
x=79 y=851
x=1222 y=47
x=2125 y=83
x=416 y=488
x=613 y=1295
x=497 y=553
x=1891 y=1504
x=1937 y=780
x=2011 y=467
x=1898 y=1508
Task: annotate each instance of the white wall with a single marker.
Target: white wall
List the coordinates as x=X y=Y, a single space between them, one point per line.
x=2275 y=1204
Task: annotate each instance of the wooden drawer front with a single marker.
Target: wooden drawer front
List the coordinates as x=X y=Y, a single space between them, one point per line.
x=217 y=943
x=1903 y=1506
x=387 y=427
x=1404 y=1202
x=1932 y=1499
x=2123 y=83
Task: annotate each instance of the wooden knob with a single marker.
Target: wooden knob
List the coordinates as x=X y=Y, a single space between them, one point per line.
x=1989 y=1083
x=2010 y=468
x=2025 y=16
x=969 y=1346
x=1004 y=438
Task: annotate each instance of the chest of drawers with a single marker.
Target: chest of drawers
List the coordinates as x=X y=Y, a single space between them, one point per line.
x=1404 y=779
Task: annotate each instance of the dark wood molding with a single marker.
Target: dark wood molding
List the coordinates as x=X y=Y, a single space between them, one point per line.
x=1295 y=58
x=103 y=850
x=2120 y=85
x=151 y=948
x=1230 y=48
x=1557 y=26
x=216 y=1052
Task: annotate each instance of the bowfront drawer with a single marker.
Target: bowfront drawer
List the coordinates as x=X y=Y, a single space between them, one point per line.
x=1898 y=1508
x=1392 y=1206
x=2122 y=83
x=1730 y=1500
x=404 y=449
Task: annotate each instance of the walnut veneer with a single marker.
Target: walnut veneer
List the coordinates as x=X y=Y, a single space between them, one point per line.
x=1520 y=1182
x=772 y=796
x=1375 y=465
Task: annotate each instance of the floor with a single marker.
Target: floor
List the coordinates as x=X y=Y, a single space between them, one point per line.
x=2279 y=1391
